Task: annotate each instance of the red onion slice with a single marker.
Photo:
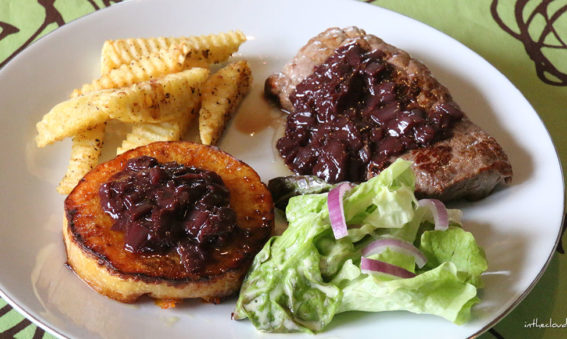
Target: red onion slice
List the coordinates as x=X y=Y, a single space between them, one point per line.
x=439 y=211
x=397 y=245
x=336 y=210
x=372 y=266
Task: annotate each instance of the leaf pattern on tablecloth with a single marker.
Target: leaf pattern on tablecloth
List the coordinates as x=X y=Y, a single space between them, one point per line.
x=7 y=29
x=15 y=324
x=52 y=16
x=544 y=45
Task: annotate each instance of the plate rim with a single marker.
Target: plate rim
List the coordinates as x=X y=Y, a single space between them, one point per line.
x=70 y=25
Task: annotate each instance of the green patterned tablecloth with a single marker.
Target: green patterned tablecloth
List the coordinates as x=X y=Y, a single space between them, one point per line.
x=525 y=39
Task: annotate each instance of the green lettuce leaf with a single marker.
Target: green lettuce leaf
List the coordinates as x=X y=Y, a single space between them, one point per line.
x=440 y=291
x=458 y=247
x=284 y=290
x=405 y=261
x=301 y=279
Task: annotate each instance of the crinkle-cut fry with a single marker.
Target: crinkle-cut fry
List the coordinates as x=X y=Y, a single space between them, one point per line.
x=213 y=48
x=84 y=158
x=69 y=118
x=160 y=100
x=221 y=95
x=145 y=68
x=85 y=153
x=156 y=100
x=143 y=134
x=146 y=133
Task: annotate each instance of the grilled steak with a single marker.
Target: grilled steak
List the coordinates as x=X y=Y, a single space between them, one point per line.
x=463 y=162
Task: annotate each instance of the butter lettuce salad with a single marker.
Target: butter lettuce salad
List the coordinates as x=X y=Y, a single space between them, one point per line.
x=372 y=247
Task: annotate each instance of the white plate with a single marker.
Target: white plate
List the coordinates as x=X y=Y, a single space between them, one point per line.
x=518 y=226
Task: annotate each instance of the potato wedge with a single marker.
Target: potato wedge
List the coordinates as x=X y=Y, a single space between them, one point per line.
x=221 y=95
x=156 y=100
x=212 y=48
